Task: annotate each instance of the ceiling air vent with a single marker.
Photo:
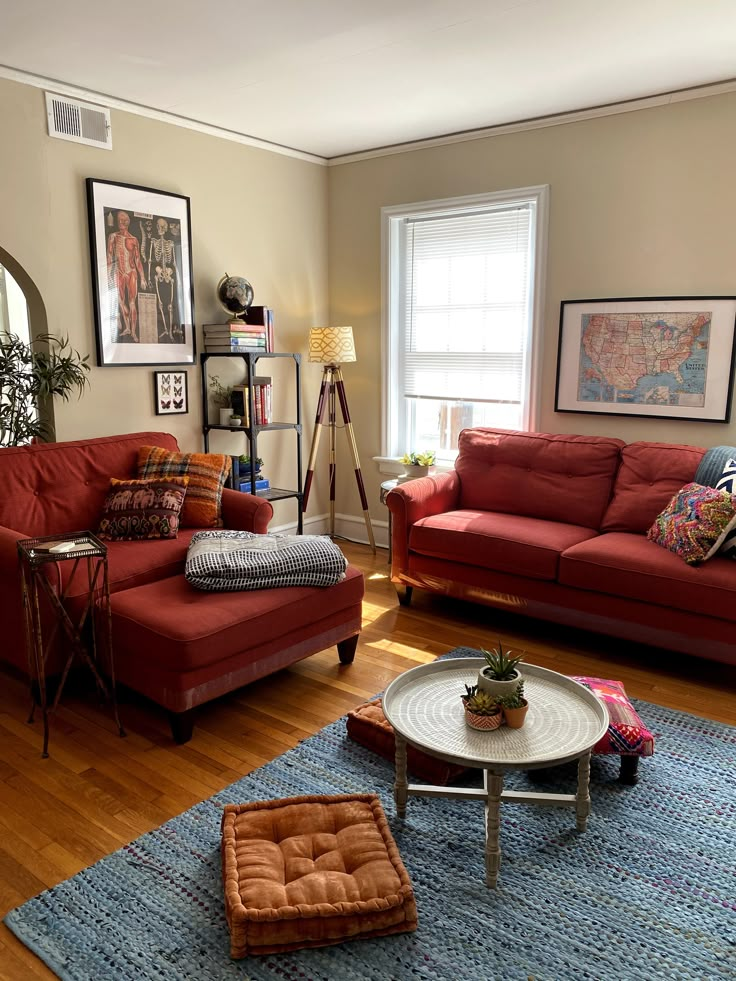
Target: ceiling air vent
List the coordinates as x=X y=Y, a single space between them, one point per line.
x=79 y=122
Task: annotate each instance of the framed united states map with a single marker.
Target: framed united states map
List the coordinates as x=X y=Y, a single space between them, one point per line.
x=669 y=357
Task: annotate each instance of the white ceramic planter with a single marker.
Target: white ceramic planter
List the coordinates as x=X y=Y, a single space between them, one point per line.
x=225 y=416
x=411 y=473
x=498 y=688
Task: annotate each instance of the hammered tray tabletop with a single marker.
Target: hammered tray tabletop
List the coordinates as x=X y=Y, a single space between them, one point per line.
x=563 y=722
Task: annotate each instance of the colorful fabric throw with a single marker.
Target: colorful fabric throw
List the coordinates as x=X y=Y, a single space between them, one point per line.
x=695 y=523
x=727 y=482
x=627 y=735
x=135 y=510
x=231 y=560
x=207 y=473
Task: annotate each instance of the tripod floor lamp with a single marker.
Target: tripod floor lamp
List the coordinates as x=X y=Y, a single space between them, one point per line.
x=330 y=346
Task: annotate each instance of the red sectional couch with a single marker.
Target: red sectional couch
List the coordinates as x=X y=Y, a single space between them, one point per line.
x=554 y=526
x=178 y=646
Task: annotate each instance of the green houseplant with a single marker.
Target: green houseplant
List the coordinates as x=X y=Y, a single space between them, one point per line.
x=31 y=375
x=482 y=710
x=514 y=707
x=417 y=464
x=500 y=674
x=221 y=396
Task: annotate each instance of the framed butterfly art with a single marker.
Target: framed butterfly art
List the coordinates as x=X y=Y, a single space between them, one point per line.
x=170 y=392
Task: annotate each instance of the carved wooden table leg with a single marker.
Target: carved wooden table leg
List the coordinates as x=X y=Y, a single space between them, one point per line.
x=582 y=798
x=401 y=784
x=494 y=789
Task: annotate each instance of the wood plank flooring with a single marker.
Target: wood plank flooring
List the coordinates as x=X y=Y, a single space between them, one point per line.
x=97 y=791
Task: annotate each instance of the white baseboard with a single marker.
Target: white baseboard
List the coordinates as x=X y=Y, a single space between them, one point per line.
x=349 y=526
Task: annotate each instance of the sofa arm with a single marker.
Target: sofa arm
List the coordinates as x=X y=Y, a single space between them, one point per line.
x=414 y=500
x=245 y=512
x=11 y=600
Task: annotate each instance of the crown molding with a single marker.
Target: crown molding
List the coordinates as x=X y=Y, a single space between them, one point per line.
x=100 y=98
x=542 y=122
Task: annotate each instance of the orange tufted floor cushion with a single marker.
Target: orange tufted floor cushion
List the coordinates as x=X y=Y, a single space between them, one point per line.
x=368 y=726
x=311 y=871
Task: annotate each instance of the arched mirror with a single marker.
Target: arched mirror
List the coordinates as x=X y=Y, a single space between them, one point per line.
x=14 y=317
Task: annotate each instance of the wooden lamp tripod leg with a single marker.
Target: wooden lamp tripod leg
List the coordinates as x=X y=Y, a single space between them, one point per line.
x=318 y=423
x=332 y=415
x=354 y=453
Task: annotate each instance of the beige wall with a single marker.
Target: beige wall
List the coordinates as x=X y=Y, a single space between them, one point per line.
x=254 y=213
x=641 y=204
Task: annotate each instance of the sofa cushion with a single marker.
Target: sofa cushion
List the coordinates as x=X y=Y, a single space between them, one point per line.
x=52 y=488
x=540 y=475
x=188 y=629
x=695 y=523
x=630 y=566
x=650 y=474
x=207 y=473
x=504 y=542
x=142 y=509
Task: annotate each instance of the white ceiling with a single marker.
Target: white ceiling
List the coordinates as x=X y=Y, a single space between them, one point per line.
x=332 y=77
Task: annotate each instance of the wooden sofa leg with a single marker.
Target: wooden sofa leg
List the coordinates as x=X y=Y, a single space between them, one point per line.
x=182 y=726
x=628 y=773
x=404 y=594
x=346 y=649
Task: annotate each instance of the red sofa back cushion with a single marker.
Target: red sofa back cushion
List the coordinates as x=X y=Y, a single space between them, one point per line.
x=540 y=475
x=59 y=487
x=650 y=475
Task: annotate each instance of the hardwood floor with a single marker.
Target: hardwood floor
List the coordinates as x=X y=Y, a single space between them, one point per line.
x=97 y=791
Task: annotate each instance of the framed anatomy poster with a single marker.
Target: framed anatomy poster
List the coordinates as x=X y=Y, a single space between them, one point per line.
x=141 y=255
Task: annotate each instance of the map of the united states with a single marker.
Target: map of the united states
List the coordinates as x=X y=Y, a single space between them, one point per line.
x=644 y=358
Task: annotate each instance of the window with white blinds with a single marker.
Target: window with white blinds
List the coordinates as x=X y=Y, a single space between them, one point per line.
x=461 y=318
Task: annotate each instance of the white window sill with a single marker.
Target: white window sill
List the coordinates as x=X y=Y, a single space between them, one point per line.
x=391 y=465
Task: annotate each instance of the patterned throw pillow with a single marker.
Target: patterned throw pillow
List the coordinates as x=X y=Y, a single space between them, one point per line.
x=695 y=523
x=627 y=735
x=207 y=474
x=727 y=482
x=142 y=509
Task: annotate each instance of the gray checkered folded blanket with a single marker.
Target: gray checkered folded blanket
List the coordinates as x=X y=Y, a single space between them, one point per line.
x=233 y=560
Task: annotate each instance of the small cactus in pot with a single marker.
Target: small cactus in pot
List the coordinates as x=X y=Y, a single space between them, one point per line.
x=514 y=707
x=482 y=710
x=500 y=675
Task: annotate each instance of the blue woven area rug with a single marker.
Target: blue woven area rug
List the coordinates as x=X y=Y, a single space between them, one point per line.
x=648 y=891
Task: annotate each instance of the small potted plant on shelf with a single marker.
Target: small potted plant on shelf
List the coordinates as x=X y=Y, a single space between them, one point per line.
x=482 y=710
x=234 y=420
x=244 y=462
x=221 y=395
x=514 y=707
x=500 y=675
x=417 y=465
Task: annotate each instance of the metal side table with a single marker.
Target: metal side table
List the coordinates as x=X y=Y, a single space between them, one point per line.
x=41 y=573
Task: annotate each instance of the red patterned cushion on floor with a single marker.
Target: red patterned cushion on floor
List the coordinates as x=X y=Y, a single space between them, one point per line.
x=627 y=735
x=368 y=726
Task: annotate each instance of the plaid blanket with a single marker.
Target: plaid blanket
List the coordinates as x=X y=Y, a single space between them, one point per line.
x=234 y=560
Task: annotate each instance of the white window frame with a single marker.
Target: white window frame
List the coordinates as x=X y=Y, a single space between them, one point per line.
x=392 y=217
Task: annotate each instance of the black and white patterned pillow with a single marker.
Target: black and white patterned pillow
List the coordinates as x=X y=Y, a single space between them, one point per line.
x=727 y=482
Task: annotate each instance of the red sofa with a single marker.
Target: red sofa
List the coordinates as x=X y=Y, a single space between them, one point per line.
x=177 y=646
x=553 y=526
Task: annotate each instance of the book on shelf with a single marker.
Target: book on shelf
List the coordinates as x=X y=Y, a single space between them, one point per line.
x=263 y=317
x=262 y=400
x=235 y=347
x=263 y=483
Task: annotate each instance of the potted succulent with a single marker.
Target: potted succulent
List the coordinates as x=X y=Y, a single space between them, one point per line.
x=221 y=396
x=500 y=675
x=234 y=420
x=514 y=707
x=482 y=710
x=417 y=465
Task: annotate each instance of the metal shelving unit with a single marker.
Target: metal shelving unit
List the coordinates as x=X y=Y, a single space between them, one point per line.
x=252 y=431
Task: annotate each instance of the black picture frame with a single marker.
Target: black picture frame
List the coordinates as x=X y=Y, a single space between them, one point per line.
x=142 y=280
x=170 y=392
x=655 y=357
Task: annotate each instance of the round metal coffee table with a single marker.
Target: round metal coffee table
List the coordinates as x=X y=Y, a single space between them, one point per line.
x=563 y=723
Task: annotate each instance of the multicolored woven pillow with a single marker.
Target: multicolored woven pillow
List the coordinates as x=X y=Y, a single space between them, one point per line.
x=207 y=473
x=695 y=523
x=142 y=509
x=627 y=735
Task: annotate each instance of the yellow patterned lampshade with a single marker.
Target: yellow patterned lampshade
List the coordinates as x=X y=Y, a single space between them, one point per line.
x=331 y=345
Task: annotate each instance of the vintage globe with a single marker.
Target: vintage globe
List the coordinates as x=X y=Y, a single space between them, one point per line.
x=235 y=294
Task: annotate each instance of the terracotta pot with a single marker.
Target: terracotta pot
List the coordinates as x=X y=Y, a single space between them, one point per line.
x=515 y=717
x=483 y=722
x=498 y=688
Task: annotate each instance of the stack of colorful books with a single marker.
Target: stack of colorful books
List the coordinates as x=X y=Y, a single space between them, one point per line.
x=234 y=338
